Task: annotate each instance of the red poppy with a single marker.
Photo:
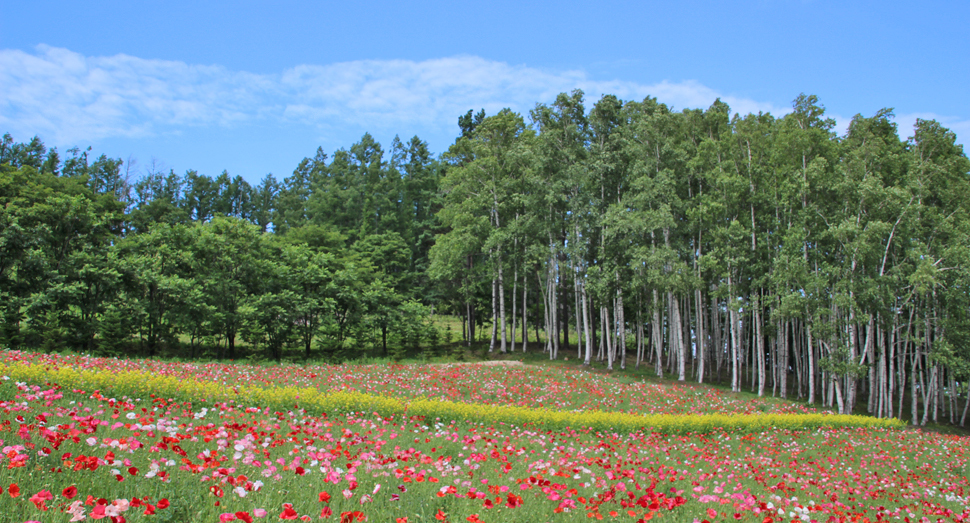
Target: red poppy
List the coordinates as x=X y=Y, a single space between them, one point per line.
x=325 y=497
x=41 y=498
x=441 y=516
x=288 y=512
x=350 y=517
x=14 y=490
x=244 y=516
x=326 y=512
x=69 y=492
x=163 y=503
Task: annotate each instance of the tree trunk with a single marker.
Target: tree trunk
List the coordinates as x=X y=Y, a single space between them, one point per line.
x=639 y=332
x=699 y=306
x=758 y=344
x=811 y=364
x=620 y=323
x=656 y=334
x=838 y=394
x=515 y=303
x=850 y=391
x=491 y=344
x=589 y=339
x=783 y=371
x=578 y=312
x=916 y=371
x=676 y=335
x=735 y=338
x=501 y=305
x=717 y=338
x=963 y=418
x=546 y=313
x=525 y=309
x=607 y=333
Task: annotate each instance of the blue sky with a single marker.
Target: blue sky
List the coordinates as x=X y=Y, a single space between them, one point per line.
x=253 y=87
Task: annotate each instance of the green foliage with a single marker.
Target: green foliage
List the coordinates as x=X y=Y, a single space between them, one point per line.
x=839 y=362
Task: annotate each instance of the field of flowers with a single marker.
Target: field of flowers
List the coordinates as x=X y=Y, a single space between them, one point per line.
x=560 y=388
x=184 y=452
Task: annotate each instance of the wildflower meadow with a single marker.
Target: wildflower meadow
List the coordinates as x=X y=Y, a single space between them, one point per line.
x=88 y=438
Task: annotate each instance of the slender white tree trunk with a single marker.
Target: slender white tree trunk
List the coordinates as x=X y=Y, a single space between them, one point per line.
x=838 y=394
x=620 y=323
x=811 y=364
x=589 y=339
x=546 y=313
x=759 y=345
x=501 y=306
x=578 y=313
x=676 y=335
x=735 y=337
x=554 y=308
x=607 y=331
x=525 y=308
x=515 y=315
x=656 y=334
x=491 y=344
x=701 y=346
x=639 y=334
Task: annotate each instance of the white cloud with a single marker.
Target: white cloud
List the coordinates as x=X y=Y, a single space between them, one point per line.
x=907 y=122
x=68 y=98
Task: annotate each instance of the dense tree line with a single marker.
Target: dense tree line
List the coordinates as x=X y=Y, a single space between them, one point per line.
x=767 y=252
x=93 y=260
x=748 y=247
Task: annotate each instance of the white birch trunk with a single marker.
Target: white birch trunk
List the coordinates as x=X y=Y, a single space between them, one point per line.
x=699 y=305
x=515 y=297
x=656 y=334
x=501 y=306
x=620 y=324
x=491 y=344
x=589 y=339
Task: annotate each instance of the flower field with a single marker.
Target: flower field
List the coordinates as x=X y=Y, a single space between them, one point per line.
x=526 y=386
x=114 y=440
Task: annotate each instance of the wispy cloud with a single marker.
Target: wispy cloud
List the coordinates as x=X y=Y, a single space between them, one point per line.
x=434 y=92
x=906 y=123
x=68 y=98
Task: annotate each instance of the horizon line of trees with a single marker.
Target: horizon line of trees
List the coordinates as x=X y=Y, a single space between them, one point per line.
x=766 y=251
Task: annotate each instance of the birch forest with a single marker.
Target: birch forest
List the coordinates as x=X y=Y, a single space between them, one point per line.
x=767 y=252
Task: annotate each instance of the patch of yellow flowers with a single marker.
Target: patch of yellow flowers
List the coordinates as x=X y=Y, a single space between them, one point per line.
x=137 y=384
